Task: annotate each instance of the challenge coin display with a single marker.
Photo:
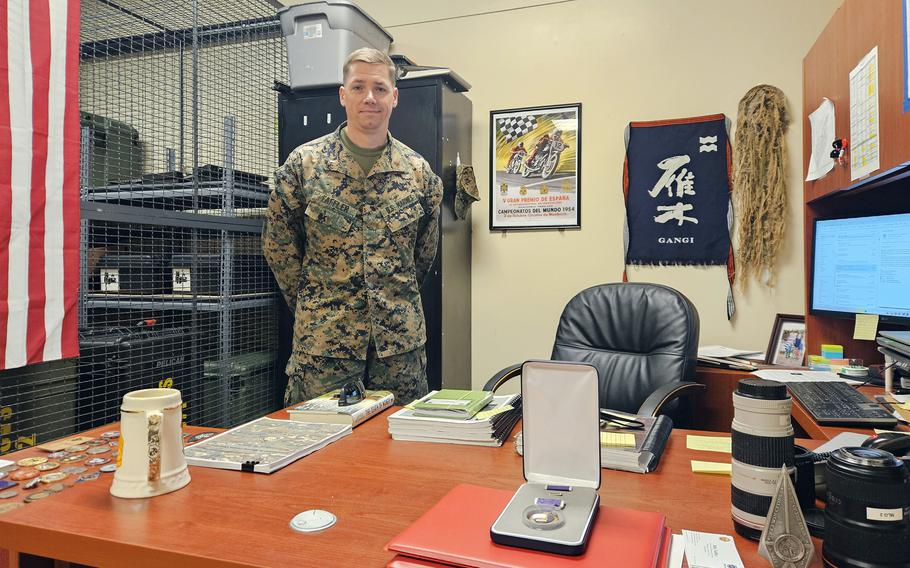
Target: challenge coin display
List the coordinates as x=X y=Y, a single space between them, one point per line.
x=6 y=507
x=53 y=477
x=72 y=458
x=89 y=477
x=31 y=462
x=47 y=466
x=37 y=496
x=198 y=437
x=23 y=474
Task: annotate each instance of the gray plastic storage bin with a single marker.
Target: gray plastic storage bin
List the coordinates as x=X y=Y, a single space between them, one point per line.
x=320 y=35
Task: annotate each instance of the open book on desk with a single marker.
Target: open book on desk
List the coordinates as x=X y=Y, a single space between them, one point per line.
x=650 y=442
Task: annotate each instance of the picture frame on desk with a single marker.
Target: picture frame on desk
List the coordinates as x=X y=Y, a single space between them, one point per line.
x=787 y=346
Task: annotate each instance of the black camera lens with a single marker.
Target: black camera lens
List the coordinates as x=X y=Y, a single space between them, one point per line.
x=867 y=519
x=762 y=438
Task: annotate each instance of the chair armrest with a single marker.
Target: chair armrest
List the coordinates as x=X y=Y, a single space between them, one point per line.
x=656 y=401
x=502 y=377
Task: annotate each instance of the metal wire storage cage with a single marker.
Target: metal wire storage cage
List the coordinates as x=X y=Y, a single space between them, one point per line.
x=178 y=145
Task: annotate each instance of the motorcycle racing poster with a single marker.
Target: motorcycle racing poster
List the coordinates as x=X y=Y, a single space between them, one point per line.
x=535 y=174
x=676 y=183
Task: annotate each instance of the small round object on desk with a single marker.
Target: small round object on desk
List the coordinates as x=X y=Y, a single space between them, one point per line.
x=31 y=462
x=6 y=507
x=47 y=466
x=854 y=371
x=311 y=521
x=109 y=468
x=9 y=493
x=23 y=475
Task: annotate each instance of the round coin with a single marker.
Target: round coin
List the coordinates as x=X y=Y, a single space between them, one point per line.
x=3 y=474
x=74 y=470
x=55 y=488
x=8 y=493
x=113 y=444
x=6 y=507
x=53 y=477
x=111 y=435
x=109 y=468
x=77 y=448
x=57 y=455
x=98 y=450
x=89 y=477
x=36 y=496
x=201 y=436
x=9 y=469
x=23 y=474
x=31 y=483
x=47 y=466
x=97 y=442
x=31 y=462
x=97 y=461
x=72 y=458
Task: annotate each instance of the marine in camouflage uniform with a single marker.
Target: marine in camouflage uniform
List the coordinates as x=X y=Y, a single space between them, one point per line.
x=349 y=252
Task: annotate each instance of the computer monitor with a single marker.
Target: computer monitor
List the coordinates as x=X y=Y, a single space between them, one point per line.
x=861 y=265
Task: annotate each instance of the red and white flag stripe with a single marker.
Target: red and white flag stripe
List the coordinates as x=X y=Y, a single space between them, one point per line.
x=39 y=181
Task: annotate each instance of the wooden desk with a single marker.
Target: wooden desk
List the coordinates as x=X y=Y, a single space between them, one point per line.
x=713 y=409
x=374 y=485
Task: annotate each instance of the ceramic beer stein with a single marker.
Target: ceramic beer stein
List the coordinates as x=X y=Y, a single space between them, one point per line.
x=150 y=458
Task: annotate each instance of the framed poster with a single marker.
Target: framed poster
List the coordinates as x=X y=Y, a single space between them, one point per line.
x=535 y=168
x=787 y=345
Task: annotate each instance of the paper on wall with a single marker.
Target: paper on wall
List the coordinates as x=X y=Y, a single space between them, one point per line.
x=864 y=140
x=821 y=122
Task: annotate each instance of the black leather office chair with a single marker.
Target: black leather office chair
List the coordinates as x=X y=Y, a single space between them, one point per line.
x=641 y=338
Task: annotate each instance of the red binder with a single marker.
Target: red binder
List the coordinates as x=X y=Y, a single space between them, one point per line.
x=456 y=531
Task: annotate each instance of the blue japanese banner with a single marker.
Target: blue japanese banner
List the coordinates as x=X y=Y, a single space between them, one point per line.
x=676 y=181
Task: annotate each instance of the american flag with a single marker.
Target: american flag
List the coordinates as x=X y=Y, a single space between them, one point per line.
x=39 y=180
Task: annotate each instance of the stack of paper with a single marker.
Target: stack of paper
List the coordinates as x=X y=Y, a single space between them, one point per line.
x=489 y=427
x=728 y=358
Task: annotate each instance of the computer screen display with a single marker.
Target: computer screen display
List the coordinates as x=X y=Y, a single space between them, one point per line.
x=861 y=265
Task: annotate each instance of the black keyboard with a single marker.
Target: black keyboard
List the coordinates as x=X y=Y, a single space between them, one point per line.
x=839 y=403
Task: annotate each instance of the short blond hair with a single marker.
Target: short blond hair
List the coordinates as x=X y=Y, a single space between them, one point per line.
x=368 y=55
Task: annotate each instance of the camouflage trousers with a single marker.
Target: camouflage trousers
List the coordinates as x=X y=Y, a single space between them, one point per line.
x=404 y=374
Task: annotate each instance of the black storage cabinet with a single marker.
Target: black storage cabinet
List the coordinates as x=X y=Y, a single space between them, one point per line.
x=433 y=117
x=249 y=272
x=137 y=273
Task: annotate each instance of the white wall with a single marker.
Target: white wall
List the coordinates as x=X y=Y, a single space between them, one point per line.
x=624 y=61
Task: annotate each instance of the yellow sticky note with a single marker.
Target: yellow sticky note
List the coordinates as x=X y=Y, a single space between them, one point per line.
x=715 y=468
x=866 y=326
x=617 y=440
x=709 y=443
x=488 y=413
